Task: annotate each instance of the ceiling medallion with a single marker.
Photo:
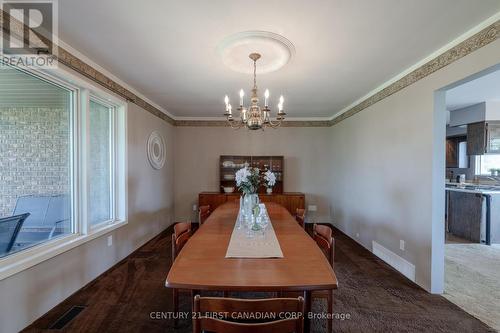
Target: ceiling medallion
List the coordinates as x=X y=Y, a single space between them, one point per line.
x=276 y=51
x=254 y=117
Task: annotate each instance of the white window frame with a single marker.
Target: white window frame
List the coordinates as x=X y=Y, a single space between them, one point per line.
x=478 y=167
x=82 y=91
x=112 y=150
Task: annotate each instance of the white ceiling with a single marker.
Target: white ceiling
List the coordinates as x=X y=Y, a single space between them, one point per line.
x=482 y=89
x=344 y=48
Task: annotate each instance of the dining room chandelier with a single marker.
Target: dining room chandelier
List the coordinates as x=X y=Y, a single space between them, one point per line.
x=254 y=117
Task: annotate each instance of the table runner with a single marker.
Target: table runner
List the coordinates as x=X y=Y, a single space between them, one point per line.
x=258 y=246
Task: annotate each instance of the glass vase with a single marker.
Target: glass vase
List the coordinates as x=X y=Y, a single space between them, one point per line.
x=241 y=215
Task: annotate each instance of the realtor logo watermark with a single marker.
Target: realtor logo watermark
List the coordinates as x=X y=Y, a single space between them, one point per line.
x=29 y=35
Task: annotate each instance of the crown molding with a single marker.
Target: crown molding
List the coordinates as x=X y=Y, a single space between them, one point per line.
x=481 y=35
x=222 y=118
x=104 y=71
x=224 y=123
x=86 y=68
x=78 y=65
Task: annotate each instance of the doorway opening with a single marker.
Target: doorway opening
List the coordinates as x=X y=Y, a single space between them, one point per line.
x=471 y=242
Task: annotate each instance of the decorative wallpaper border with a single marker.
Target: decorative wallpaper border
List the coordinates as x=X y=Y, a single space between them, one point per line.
x=88 y=71
x=223 y=123
x=473 y=43
x=79 y=66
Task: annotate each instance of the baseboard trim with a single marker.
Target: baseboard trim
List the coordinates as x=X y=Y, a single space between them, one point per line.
x=400 y=264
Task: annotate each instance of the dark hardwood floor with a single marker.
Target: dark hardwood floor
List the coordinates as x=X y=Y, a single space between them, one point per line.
x=375 y=297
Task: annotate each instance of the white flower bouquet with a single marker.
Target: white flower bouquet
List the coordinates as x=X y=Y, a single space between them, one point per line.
x=248 y=180
x=269 y=179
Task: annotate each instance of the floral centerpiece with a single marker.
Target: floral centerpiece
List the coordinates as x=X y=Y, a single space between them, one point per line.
x=269 y=180
x=248 y=180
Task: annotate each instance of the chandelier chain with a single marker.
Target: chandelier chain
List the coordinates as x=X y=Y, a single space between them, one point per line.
x=255 y=74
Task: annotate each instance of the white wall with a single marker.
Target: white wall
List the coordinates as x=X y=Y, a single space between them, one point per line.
x=197 y=161
x=29 y=294
x=387 y=169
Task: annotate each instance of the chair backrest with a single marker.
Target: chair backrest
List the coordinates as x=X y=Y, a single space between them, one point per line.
x=322 y=234
x=182 y=233
x=9 y=228
x=45 y=210
x=37 y=206
x=284 y=315
x=300 y=216
x=58 y=210
x=203 y=213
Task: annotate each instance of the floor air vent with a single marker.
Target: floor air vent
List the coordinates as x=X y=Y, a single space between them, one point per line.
x=67 y=317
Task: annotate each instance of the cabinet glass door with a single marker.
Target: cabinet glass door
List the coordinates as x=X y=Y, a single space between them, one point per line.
x=493 y=138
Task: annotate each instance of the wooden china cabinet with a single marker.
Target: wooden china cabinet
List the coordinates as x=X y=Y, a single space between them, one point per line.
x=228 y=165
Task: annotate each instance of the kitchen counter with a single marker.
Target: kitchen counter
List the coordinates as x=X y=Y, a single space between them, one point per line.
x=473 y=212
x=472 y=188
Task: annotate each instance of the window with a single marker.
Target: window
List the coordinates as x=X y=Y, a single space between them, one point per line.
x=100 y=163
x=62 y=164
x=463 y=158
x=484 y=164
x=456 y=152
x=35 y=159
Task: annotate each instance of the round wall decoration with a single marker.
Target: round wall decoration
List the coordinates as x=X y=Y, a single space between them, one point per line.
x=156 y=150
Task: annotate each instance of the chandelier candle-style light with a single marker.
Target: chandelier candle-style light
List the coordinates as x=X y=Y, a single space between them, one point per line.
x=254 y=117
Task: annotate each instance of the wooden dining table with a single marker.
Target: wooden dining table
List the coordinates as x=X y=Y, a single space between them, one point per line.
x=202 y=265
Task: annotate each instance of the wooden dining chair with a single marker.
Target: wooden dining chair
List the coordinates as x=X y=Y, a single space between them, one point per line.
x=205 y=307
x=203 y=213
x=300 y=216
x=322 y=235
x=182 y=233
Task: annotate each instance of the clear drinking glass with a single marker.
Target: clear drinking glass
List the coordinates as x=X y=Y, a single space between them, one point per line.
x=264 y=221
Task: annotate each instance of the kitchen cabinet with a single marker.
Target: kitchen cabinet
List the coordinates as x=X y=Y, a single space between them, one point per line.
x=451 y=154
x=473 y=213
x=493 y=138
x=454 y=153
x=483 y=138
x=291 y=201
x=465 y=216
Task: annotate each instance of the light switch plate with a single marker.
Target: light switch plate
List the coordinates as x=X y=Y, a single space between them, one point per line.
x=195 y=208
x=312 y=208
x=110 y=240
x=402 y=245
